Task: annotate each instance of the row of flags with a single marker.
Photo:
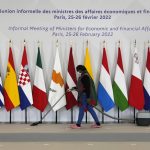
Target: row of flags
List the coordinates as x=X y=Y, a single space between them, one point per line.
x=139 y=93
x=109 y=94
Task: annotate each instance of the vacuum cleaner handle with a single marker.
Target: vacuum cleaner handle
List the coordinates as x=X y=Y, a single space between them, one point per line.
x=38 y=122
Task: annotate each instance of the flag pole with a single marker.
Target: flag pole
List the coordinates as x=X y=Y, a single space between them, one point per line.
x=38 y=43
x=40 y=111
x=104 y=44
x=57 y=45
x=148 y=44
x=10 y=45
x=26 y=116
x=72 y=107
x=24 y=45
x=102 y=108
x=87 y=44
x=118 y=107
x=134 y=43
x=134 y=108
x=147 y=52
x=10 y=117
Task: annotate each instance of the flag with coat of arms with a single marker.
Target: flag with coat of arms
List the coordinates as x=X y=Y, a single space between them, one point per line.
x=24 y=83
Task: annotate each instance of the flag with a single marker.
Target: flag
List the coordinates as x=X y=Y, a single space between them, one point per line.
x=147 y=82
x=24 y=83
x=71 y=81
x=136 y=94
x=119 y=85
x=105 y=91
x=87 y=63
x=1 y=93
x=57 y=85
x=11 y=94
x=40 y=100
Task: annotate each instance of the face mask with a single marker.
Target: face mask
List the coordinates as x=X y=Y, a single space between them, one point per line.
x=78 y=74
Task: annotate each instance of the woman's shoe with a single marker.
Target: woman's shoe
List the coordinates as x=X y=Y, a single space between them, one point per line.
x=95 y=126
x=74 y=126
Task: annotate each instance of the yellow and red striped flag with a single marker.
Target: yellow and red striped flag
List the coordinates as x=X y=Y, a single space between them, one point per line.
x=11 y=95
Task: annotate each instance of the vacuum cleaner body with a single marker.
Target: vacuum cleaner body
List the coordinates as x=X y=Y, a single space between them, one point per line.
x=143 y=118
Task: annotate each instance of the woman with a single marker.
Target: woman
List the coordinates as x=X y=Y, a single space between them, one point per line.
x=84 y=88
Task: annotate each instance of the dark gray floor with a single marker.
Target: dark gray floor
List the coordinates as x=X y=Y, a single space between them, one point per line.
x=95 y=137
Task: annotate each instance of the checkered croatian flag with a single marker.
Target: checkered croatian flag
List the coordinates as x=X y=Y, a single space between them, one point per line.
x=24 y=83
x=24 y=77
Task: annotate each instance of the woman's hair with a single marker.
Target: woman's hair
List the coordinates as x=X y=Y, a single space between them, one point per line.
x=80 y=67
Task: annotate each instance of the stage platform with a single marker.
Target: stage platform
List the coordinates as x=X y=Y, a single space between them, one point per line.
x=60 y=136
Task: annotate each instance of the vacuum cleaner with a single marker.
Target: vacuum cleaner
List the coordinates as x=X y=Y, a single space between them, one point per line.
x=142 y=118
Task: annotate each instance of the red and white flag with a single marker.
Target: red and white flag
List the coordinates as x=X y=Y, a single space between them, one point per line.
x=136 y=94
x=71 y=81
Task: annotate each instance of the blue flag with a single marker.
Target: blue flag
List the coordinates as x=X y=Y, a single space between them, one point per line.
x=147 y=83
